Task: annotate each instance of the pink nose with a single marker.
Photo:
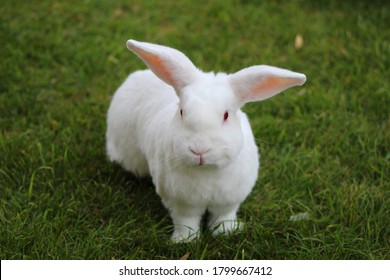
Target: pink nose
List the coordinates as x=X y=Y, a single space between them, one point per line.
x=200 y=153
x=197 y=152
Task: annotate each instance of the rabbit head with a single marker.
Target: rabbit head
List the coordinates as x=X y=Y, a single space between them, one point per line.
x=208 y=123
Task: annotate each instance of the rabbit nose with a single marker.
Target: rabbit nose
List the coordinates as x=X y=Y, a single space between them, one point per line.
x=197 y=151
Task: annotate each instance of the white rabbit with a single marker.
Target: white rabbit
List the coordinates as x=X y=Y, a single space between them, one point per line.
x=185 y=128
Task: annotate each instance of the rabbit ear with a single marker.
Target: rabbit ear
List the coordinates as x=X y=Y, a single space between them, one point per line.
x=261 y=82
x=170 y=65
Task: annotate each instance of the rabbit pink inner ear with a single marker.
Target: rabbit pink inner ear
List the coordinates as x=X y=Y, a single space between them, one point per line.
x=260 y=82
x=268 y=87
x=170 y=65
x=157 y=65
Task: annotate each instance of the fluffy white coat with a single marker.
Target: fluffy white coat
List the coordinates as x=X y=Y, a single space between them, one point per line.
x=185 y=129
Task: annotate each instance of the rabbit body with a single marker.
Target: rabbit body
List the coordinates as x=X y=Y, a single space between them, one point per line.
x=142 y=123
x=185 y=129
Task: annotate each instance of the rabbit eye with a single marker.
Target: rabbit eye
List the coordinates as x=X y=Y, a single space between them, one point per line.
x=181 y=112
x=225 y=116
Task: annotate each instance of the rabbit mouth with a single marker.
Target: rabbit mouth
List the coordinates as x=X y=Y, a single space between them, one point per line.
x=201 y=160
x=199 y=155
x=207 y=161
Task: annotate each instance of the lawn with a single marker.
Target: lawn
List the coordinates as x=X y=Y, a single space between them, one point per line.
x=325 y=147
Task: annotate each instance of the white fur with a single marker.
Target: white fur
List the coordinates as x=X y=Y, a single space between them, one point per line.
x=198 y=161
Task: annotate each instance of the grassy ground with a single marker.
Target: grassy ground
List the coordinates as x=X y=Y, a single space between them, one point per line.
x=325 y=147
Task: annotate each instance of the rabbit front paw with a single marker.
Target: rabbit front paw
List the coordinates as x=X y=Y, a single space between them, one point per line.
x=226 y=227
x=223 y=219
x=184 y=235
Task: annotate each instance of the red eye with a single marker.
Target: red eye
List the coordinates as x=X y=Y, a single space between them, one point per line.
x=225 y=116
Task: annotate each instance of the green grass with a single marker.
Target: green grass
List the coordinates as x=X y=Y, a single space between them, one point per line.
x=325 y=147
